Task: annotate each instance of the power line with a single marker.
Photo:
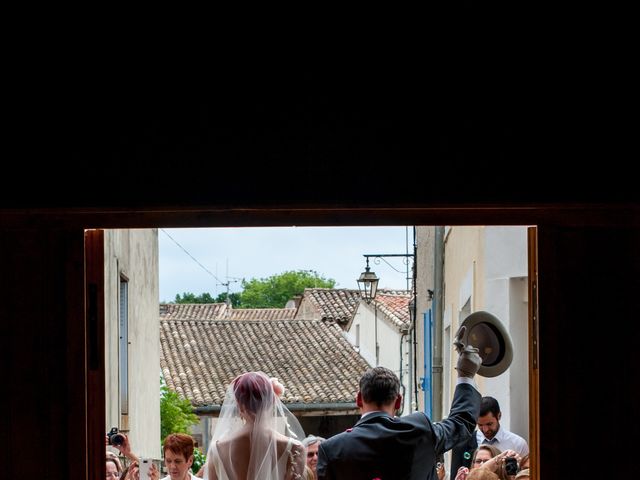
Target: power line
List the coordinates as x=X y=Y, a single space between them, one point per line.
x=192 y=257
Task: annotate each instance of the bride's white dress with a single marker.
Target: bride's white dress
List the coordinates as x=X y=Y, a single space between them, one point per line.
x=280 y=467
x=254 y=428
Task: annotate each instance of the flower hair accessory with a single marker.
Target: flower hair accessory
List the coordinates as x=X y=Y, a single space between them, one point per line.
x=278 y=388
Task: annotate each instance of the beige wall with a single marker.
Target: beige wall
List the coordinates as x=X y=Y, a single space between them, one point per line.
x=486 y=267
x=463 y=266
x=307 y=311
x=134 y=254
x=425 y=281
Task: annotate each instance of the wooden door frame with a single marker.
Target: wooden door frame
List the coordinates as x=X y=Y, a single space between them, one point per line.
x=75 y=220
x=95 y=350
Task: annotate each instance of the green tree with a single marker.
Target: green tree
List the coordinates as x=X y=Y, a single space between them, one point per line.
x=188 y=297
x=199 y=459
x=176 y=414
x=275 y=291
x=234 y=298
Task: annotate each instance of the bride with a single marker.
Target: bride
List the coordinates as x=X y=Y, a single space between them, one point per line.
x=256 y=437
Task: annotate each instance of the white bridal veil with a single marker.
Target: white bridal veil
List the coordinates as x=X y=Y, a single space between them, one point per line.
x=256 y=437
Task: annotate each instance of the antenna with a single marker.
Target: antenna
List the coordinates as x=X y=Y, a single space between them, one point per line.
x=229 y=281
x=226 y=284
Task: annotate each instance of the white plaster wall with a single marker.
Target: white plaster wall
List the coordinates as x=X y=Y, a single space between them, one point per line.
x=506 y=252
x=506 y=297
x=134 y=253
x=364 y=317
x=519 y=331
x=388 y=341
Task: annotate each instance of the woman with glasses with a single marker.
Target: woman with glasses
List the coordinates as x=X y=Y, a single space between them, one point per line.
x=481 y=455
x=504 y=464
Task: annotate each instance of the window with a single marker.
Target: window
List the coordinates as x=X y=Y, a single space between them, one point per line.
x=123 y=347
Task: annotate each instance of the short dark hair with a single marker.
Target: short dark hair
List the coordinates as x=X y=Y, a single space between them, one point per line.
x=489 y=404
x=379 y=386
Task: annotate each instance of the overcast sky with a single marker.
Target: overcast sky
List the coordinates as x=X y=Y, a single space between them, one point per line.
x=333 y=252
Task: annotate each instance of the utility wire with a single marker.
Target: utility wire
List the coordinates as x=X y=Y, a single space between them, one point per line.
x=192 y=257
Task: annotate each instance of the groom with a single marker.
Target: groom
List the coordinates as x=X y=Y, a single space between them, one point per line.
x=383 y=446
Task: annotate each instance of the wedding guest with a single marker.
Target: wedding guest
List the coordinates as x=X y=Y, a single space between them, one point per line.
x=178 y=457
x=113 y=469
x=483 y=454
x=498 y=463
x=482 y=474
x=112 y=456
x=311 y=443
x=490 y=432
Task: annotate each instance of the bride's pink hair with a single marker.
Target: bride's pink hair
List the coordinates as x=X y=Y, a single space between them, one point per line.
x=253 y=391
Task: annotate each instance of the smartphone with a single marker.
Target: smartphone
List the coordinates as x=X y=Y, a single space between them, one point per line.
x=145 y=463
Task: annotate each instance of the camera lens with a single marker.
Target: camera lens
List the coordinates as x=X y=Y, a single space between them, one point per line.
x=117 y=439
x=511 y=466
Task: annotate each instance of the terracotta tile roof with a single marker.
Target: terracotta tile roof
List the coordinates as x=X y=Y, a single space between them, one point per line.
x=311 y=358
x=259 y=314
x=395 y=305
x=192 y=311
x=338 y=305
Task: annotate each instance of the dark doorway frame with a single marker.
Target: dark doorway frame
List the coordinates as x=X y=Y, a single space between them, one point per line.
x=46 y=247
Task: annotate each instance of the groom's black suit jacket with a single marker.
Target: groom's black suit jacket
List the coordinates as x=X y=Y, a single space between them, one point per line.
x=398 y=448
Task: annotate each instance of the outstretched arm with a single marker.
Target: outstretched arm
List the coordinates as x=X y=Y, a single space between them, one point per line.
x=125 y=449
x=465 y=407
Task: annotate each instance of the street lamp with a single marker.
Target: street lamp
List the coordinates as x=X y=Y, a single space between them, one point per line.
x=368 y=281
x=368 y=284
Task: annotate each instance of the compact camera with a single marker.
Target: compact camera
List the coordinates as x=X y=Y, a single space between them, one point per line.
x=510 y=466
x=115 y=437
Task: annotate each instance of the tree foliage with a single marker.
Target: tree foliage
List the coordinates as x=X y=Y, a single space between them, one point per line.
x=176 y=414
x=199 y=459
x=234 y=297
x=272 y=292
x=188 y=297
x=275 y=291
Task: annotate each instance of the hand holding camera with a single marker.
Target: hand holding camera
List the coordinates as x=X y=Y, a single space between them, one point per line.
x=120 y=441
x=115 y=438
x=469 y=360
x=510 y=465
x=507 y=461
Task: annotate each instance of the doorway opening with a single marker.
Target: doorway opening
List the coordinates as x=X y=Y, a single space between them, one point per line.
x=487 y=270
